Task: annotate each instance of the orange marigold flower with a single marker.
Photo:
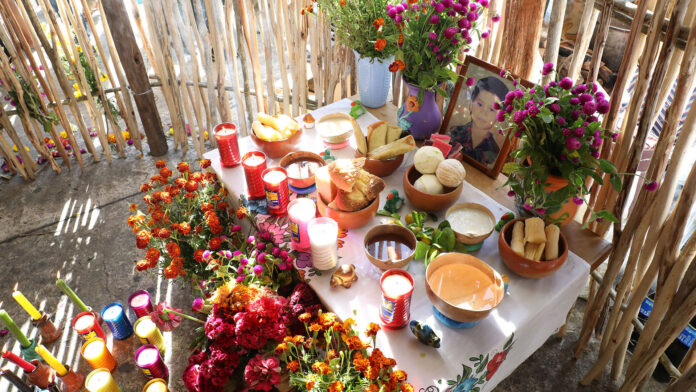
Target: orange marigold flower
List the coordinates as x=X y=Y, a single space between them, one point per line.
x=412 y=104
x=398 y=376
x=206 y=206
x=281 y=348
x=315 y=327
x=171 y=271
x=400 y=40
x=143 y=239
x=321 y=368
x=142 y=265
x=377 y=23
x=327 y=319
x=145 y=187
x=380 y=44
x=336 y=386
x=305 y=317
x=183 y=167
x=197 y=176
x=198 y=255
x=412 y=1
x=354 y=343
x=133 y=207
x=180 y=182
x=406 y=387
x=293 y=366
x=372 y=330
x=166 y=197
x=165 y=172
x=331 y=354
x=311 y=380
x=205 y=163
x=160 y=164
x=372 y=373
x=222 y=205
x=191 y=186
x=372 y=388
x=361 y=364
x=173 y=249
x=164 y=233
x=342 y=2
x=214 y=243
x=184 y=228
x=241 y=212
x=152 y=254
x=112 y=138
x=298 y=339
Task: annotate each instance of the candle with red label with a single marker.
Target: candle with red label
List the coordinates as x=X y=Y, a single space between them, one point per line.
x=275 y=183
x=300 y=212
x=395 y=307
x=254 y=163
x=226 y=137
x=87 y=326
x=17 y=360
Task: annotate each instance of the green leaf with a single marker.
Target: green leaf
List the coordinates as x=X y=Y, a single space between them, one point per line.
x=421 y=250
x=466 y=373
x=547 y=118
x=472 y=359
x=443 y=224
x=482 y=365
x=511 y=167
x=616 y=182
x=446 y=239
x=607 y=166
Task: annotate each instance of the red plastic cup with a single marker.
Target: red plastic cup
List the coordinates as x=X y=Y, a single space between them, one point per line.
x=254 y=163
x=226 y=137
x=86 y=324
x=275 y=183
x=395 y=308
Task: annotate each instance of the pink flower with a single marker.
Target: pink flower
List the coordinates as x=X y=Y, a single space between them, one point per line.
x=585 y=97
x=449 y=32
x=164 y=320
x=572 y=143
x=258 y=269
x=577 y=201
x=470 y=82
x=432 y=35
x=496 y=18
x=511 y=193
x=502 y=73
x=262 y=374
x=574 y=101
x=555 y=108
x=548 y=67
x=650 y=186
x=589 y=108
x=579 y=131
x=566 y=83
x=485 y=34
x=434 y=19
x=197 y=305
x=560 y=120
x=603 y=106
x=439 y=7
x=533 y=111
x=541 y=210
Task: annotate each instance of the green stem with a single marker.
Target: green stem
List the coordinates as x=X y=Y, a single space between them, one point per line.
x=166 y=311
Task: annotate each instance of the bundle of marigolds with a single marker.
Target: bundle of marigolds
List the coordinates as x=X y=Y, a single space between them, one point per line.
x=186 y=215
x=332 y=357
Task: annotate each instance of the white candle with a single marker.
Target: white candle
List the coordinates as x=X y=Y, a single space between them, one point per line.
x=396 y=285
x=323 y=235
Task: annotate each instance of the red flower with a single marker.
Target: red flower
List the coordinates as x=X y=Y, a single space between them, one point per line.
x=214 y=243
x=494 y=364
x=380 y=44
x=241 y=212
x=165 y=172
x=206 y=206
x=191 y=186
x=143 y=239
x=164 y=320
x=182 y=167
x=205 y=163
x=143 y=264
x=160 y=164
x=145 y=187
x=164 y=233
x=379 y=22
x=152 y=254
x=198 y=255
x=184 y=228
x=173 y=249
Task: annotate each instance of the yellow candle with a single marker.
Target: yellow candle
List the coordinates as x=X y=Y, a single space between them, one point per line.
x=51 y=360
x=148 y=333
x=101 y=380
x=156 y=385
x=28 y=307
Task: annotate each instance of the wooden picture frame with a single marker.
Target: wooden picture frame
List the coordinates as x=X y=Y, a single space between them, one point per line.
x=459 y=120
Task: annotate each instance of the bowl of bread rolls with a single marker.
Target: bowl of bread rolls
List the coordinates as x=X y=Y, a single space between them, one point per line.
x=433 y=183
x=383 y=147
x=347 y=193
x=532 y=249
x=276 y=136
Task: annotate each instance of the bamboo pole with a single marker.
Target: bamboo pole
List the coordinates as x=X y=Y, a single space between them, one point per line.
x=232 y=50
x=582 y=40
x=689 y=359
x=685 y=383
x=495 y=57
x=10 y=159
x=249 y=33
x=601 y=39
x=26 y=170
x=217 y=41
x=517 y=54
x=209 y=69
x=272 y=13
x=265 y=26
x=553 y=38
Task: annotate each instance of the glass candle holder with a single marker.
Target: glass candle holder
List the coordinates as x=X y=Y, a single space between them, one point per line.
x=300 y=212
x=395 y=308
x=323 y=236
x=148 y=333
x=228 y=145
x=254 y=163
x=114 y=316
x=150 y=362
x=140 y=302
x=101 y=380
x=156 y=385
x=94 y=351
x=275 y=183
x=87 y=325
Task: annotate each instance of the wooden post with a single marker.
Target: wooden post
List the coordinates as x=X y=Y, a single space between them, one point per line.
x=136 y=73
x=522 y=21
x=553 y=38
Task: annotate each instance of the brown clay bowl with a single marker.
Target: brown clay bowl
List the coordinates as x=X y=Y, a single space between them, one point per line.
x=526 y=267
x=404 y=235
x=277 y=148
x=428 y=201
x=349 y=220
x=381 y=168
x=460 y=313
x=468 y=238
x=298 y=156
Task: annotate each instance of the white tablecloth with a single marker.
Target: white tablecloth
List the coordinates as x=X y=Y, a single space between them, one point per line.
x=531 y=311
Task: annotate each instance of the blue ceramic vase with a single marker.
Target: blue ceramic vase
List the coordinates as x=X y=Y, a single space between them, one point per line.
x=374 y=80
x=424 y=122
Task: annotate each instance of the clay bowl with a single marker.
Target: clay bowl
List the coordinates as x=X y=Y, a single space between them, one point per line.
x=405 y=236
x=381 y=168
x=349 y=220
x=298 y=156
x=457 y=313
x=526 y=267
x=277 y=148
x=468 y=238
x=427 y=201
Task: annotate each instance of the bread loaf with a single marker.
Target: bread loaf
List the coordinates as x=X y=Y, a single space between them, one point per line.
x=369 y=185
x=534 y=231
x=553 y=234
x=393 y=133
x=393 y=149
x=376 y=135
x=360 y=140
x=517 y=241
x=344 y=172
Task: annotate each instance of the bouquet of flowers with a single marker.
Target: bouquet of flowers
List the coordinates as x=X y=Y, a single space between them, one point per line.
x=332 y=357
x=360 y=25
x=561 y=135
x=431 y=37
x=186 y=215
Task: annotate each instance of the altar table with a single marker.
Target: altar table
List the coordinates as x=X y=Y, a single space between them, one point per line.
x=474 y=359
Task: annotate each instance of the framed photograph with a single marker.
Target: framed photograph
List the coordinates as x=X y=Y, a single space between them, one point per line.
x=471 y=118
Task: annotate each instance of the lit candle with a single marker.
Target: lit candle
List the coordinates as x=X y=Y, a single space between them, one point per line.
x=94 y=351
x=148 y=333
x=275 y=182
x=101 y=380
x=14 y=329
x=323 y=235
x=150 y=362
x=300 y=212
x=254 y=163
x=395 y=307
x=87 y=325
x=226 y=137
x=51 y=360
x=139 y=301
x=17 y=360
x=114 y=316
x=156 y=385
x=71 y=294
x=16 y=381
x=25 y=304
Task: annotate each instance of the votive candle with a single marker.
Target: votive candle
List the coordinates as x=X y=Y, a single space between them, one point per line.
x=26 y=305
x=150 y=361
x=114 y=316
x=254 y=163
x=17 y=360
x=323 y=237
x=95 y=352
x=156 y=385
x=300 y=212
x=140 y=302
x=228 y=145
x=395 y=308
x=101 y=380
x=275 y=183
x=14 y=329
x=87 y=325
x=148 y=333
x=60 y=369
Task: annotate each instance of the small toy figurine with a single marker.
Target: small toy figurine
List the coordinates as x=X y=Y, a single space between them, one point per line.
x=326 y=155
x=357 y=109
x=344 y=276
x=394 y=202
x=424 y=334
x=508 y=216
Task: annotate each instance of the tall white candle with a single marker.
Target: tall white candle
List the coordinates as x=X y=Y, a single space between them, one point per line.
x=323 y=236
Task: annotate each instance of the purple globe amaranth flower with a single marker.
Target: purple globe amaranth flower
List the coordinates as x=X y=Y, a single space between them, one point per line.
x=546 y=91
x=399 y=8
x=574 y=115
x=518 y=133
x=243 y=261
x=603 y=106
x=436 y=49
x=448 y=3
x=485 y=34
x=578 y=201
x=197 y=305
x=472 y=16
x=457 y=7
x=282 y=266
x=579 y=89
x=575 y=160
x=240 y=278
x=519 y=116
x=511 y=194
x=533 y=111
x=560 y=120
x=260 y=246
x=502 y=73
x=451 y=13
x=468 y=40
x=555 y=108
x=547 y=68
x=529 y=104
x=509 y=109
x=391 y=12
x=519 y=93
x=251 y=239
x=579 y=131
x=473 y=6
x=589 y=108
x=563 y=157
x=595 y=154
x=431 y=44
x=592 y=119
x=434 y=19
x=240 y=270
x=440 y=57
x=572 y=143
x=236 y=228
x=258 y=269
x=495 y=18
x=527 y=206
x=206 y=254
x=509 y=97
x=552 y=83
x=650 y=186
x=566 y=83
x=398 y=18
x=261 y=257
x=439 y=7
x=585 y=98
x=496 y=105
x=432 y=35
x=574 y=101
x=450 y=32
x=567 y=132
x=463 y=23
x=415 y=7
x=541 y=210
x=484 y=3
x=615 y=135
x=454 y=42
x=500 y=116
